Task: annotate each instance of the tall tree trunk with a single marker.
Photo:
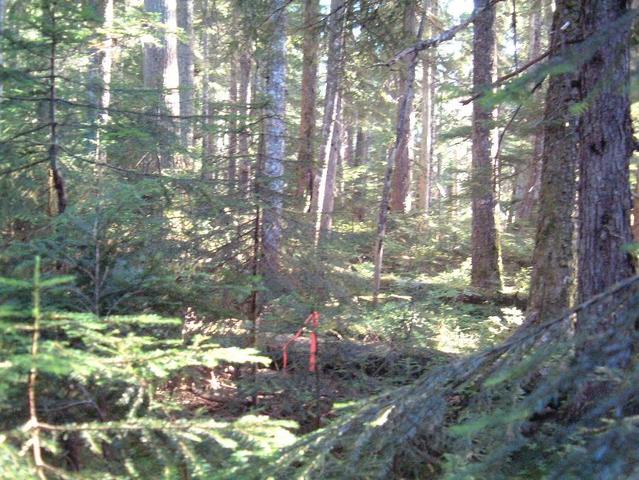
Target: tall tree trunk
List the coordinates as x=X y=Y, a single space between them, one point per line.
x=635 y=209
x=171 y=68
x=274 y=137
x=485 y=249
x=57 y=188
x=401 y=139
x=605 y=147
x=350 y=126
x=426 y=147
x=243 y=136
x=153 y=71
x=232 y=125
x=306 y=169
x=186 y=70
x=99 y=94
x=99 y=78
x=3 y=7
x=551 y=284
x=401 y=179
x=532 y=179
x=333 y=77
x=208 y=136
x=360 y=158
x=161 y=74
x=330 y=175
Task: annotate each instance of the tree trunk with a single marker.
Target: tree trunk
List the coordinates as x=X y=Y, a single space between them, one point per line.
x=243 y=136
x=99 y=79
x=208 y=137
x=330 y=175
x=161 y=74
x=305 y=154
x=171 y=68
x=401 y=139
x=232 y=125
x=401 y=179
x=333 y=77
x=426 y=150
x=551 y=284
x=153 y=52
x=635 y=209
x=532 y=179
x=3 y=7
x=360 y=158
x=57 y=188
x=274 y=137
x=186 y=70
x=99 y=96
x=345 y=158
x=485 y=272
x=605 y=147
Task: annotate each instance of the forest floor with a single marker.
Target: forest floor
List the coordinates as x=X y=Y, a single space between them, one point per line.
x=422 y=321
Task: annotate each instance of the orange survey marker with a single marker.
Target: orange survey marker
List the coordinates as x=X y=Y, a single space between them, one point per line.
x=313 y=322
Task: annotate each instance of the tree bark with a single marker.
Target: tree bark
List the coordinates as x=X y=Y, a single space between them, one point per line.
x=99 y=96
x=306 y=169
x=426 y=147
x=401 y=179
x=274 y=138
x=330 y=175
x=160 y=72
x=3 y=7
x=99 y=79
x=485 y=272
x=208 y=136
x=551 y=284
x=57 y=188
x=532 y=179
x=232 y=125
x=153 y=52
x=605 y=147
x=186 y=70
x=333 y=77
x=401 y=138
x=243 y=136
x=171 y=68
x=635 y=209
x=362 y=140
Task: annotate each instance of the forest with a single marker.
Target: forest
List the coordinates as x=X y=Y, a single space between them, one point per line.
x=319 y=239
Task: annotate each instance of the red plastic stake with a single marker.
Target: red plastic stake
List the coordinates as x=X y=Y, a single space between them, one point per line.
x=313 y=321
x=313 y=352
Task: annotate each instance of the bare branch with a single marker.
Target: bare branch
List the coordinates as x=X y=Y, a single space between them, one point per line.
x=508 y=76
x=445 y=36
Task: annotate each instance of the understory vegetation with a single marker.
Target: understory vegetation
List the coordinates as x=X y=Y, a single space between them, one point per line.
x=318 y=239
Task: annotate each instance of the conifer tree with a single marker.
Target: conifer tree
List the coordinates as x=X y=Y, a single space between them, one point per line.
x=274 y=136
x=485 y=272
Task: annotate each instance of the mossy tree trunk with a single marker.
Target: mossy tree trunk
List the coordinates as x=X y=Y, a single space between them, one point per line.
x=553 y=271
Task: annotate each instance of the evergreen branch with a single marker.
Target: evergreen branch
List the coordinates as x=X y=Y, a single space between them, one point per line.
x=25 y=132
x=22 y=167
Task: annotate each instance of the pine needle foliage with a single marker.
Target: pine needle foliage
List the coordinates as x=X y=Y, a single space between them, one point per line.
x=101 y=390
